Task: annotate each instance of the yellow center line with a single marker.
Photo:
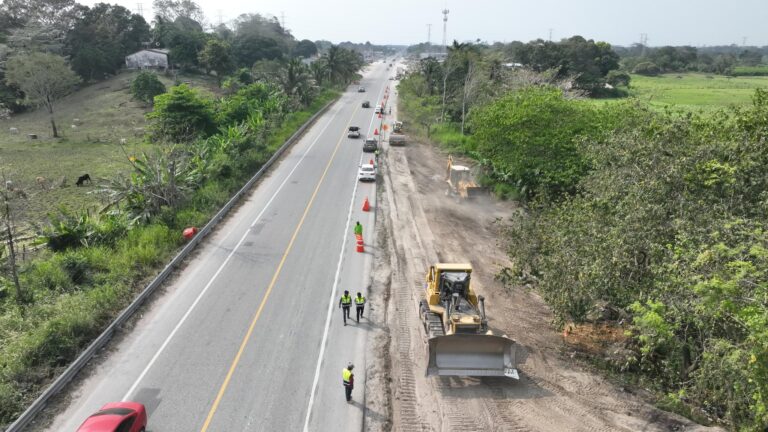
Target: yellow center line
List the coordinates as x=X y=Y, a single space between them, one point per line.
x=247 y=337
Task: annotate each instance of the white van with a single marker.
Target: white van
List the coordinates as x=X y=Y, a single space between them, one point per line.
x=378 y=109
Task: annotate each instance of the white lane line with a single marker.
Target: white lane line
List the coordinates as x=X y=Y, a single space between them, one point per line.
x=330 y=305
x=335 y=285
x=221 y=267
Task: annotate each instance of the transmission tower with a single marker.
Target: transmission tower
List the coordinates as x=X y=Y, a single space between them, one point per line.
x=445 y=29
x=282 y=19
x=429 y=35
x=643 y=42
x=550 y=35
x=140 y=9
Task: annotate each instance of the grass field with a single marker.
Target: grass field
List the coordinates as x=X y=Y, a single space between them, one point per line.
x=695 y=91
x=106 y=114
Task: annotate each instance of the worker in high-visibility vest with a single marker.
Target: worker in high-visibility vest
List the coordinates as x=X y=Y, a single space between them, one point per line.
x=349 y=381
x=358 y=229
x=345 y=303
x=359 y=306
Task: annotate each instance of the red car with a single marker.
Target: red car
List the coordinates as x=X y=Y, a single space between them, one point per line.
x=117 y=417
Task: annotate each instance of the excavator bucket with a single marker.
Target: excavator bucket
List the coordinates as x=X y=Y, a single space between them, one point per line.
x=472 y=355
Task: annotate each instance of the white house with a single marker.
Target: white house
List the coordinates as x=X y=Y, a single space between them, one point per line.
x=148 y=58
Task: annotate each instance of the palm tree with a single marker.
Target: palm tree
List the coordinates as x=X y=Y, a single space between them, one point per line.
x=334 y=62
x=319 y=70
x=341 y=64
x=296 y=79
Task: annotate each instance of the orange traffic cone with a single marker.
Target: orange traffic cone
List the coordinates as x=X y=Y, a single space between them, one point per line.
x=360 y=247
x=371 y=162
x=379 y=115
x=376 y=130
x=366 y=205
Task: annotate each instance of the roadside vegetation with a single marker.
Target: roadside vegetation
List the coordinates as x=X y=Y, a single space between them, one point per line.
x=164 y=152
x=650 y=221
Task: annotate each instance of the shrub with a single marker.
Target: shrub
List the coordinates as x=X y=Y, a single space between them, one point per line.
x=647 y=69
x=182 y=115
x=146 y=86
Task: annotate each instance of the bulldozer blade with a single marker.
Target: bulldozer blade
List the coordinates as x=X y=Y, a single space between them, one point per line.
x=472 y=355
x=476 y=191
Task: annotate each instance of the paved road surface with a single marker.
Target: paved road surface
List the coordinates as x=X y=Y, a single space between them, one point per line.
x=249 y=337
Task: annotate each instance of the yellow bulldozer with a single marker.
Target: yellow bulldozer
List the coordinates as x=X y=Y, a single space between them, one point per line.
x=459 y=179
x=460 y=343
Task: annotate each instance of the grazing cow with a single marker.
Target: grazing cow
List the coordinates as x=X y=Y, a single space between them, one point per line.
x=82 y=179
x=123 y=141
x=14 y=131
x=74 y=126
x=42 y=181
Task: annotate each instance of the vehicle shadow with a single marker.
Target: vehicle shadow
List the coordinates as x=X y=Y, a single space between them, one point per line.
x=150 y=398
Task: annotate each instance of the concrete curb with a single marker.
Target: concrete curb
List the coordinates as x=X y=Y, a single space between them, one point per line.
x=79 y=363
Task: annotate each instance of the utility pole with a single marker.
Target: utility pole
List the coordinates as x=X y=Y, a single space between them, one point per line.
x=429 y=35
x=221 y=20
x=643 y=42
x=282 y=19
x=550 y=35
x=445 y=29
x=744 y=41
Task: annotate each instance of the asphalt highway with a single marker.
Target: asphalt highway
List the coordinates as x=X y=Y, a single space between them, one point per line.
x=248 y=336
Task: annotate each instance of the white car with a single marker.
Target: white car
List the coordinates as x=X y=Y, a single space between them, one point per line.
x=367 y=172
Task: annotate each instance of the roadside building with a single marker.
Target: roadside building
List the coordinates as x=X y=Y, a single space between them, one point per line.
x=148 y=59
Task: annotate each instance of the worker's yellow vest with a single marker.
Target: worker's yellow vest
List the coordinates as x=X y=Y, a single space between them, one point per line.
x=346 y=374
x=360 y=300
x=346 y=300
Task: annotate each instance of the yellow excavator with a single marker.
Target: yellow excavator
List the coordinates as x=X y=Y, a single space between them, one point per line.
x=459 y=179
x=460 y=343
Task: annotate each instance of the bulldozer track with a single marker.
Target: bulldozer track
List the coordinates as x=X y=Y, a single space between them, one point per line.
x=405 y=390
x=502 y=409
x=456 y=410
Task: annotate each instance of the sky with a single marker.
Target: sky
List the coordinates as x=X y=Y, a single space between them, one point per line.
x=404 y=22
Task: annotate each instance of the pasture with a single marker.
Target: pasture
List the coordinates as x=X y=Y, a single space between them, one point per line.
x=694 y=91
x=103 y=114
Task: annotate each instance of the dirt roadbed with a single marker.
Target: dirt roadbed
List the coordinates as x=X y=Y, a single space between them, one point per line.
x=421 y=226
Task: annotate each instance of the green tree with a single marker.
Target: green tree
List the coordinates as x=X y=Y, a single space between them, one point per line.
x=185 y=46
x=305 y=48
x=182 y=115
x=647 y=68
x=618 y=78
x=216 y=57
x=146 y=86
x=44 y=79
x=296 y=80
x=531 y=138
x=170 y=10
x=102 y=37
x=250 y=48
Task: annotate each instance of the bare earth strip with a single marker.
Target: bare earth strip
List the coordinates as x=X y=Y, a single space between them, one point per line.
x=422 y=226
